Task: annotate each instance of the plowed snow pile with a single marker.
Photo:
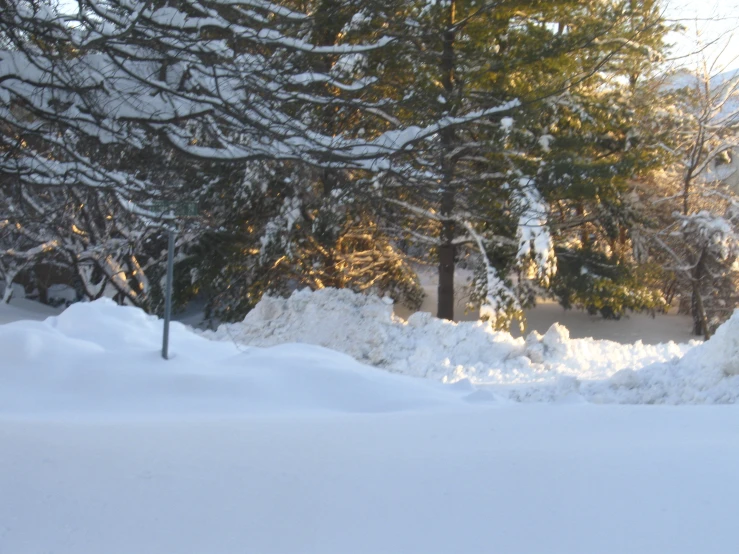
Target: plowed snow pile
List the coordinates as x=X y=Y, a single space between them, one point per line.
x=707 y=374
x=540 y=368
x=365 y=328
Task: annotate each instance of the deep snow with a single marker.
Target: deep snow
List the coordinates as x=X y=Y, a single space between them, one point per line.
x=534 y=479
x=295 y=448
x=22 y=309
x=106 y=357
x=539 y=368
x=103 y=358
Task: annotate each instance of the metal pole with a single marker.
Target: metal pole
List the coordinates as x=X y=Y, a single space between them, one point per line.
x=168 y=294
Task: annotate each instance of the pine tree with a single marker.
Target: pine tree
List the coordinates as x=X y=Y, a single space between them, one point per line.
x=542 y=122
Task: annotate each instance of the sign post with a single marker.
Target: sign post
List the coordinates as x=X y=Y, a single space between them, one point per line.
x=176 y=209
x=168 y=293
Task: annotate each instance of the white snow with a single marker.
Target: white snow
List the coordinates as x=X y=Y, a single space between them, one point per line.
x=534 y=238
x=21 y=309
x=631 y=328
x=572 y=478
x=545 y=142
x=707 y=374
x=539 y=368
x=296 y=448
x=103 y=358
x=315 y=344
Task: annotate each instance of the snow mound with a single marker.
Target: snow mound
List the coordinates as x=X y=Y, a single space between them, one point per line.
x=102 y=358
x=365 y=328
x=707 y=374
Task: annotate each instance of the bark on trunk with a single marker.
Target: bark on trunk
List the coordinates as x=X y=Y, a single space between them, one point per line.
x=445 y=306
x=700 y=323
x=698 y=311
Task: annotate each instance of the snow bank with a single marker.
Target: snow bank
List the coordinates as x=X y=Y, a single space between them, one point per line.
x=707 y=374
x=365 y=328
x=99 y=357
x=494 y=365
x=102 y=358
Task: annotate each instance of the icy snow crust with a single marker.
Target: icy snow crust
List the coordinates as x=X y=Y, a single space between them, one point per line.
x=471 y=355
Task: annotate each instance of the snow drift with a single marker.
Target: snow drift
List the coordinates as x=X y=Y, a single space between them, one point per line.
x=104 y=358
x=100 y=357
x=707 y=374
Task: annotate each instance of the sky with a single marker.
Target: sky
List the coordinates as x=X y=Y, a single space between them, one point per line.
x=706 y=21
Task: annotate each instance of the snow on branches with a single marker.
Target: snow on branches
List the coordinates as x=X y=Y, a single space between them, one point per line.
x=535 y=241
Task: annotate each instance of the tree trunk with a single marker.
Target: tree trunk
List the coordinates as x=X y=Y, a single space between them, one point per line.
x=698 y=310
x=329 y=19
x=445 y=305
x=686 y=194
x=332 y=277
x=700 y=323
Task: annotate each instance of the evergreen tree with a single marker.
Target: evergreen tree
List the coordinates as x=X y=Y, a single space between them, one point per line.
x=538 y=94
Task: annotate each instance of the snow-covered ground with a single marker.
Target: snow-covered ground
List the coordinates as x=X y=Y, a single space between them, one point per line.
x=539 y=367
x=534 y=479
x=20 y=309
x=296 y=448
x=631 y=328
x=104 y=359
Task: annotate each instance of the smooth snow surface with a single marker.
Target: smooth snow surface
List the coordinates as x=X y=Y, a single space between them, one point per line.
x=20 y=308
x=534 y=479
x=633 y=327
